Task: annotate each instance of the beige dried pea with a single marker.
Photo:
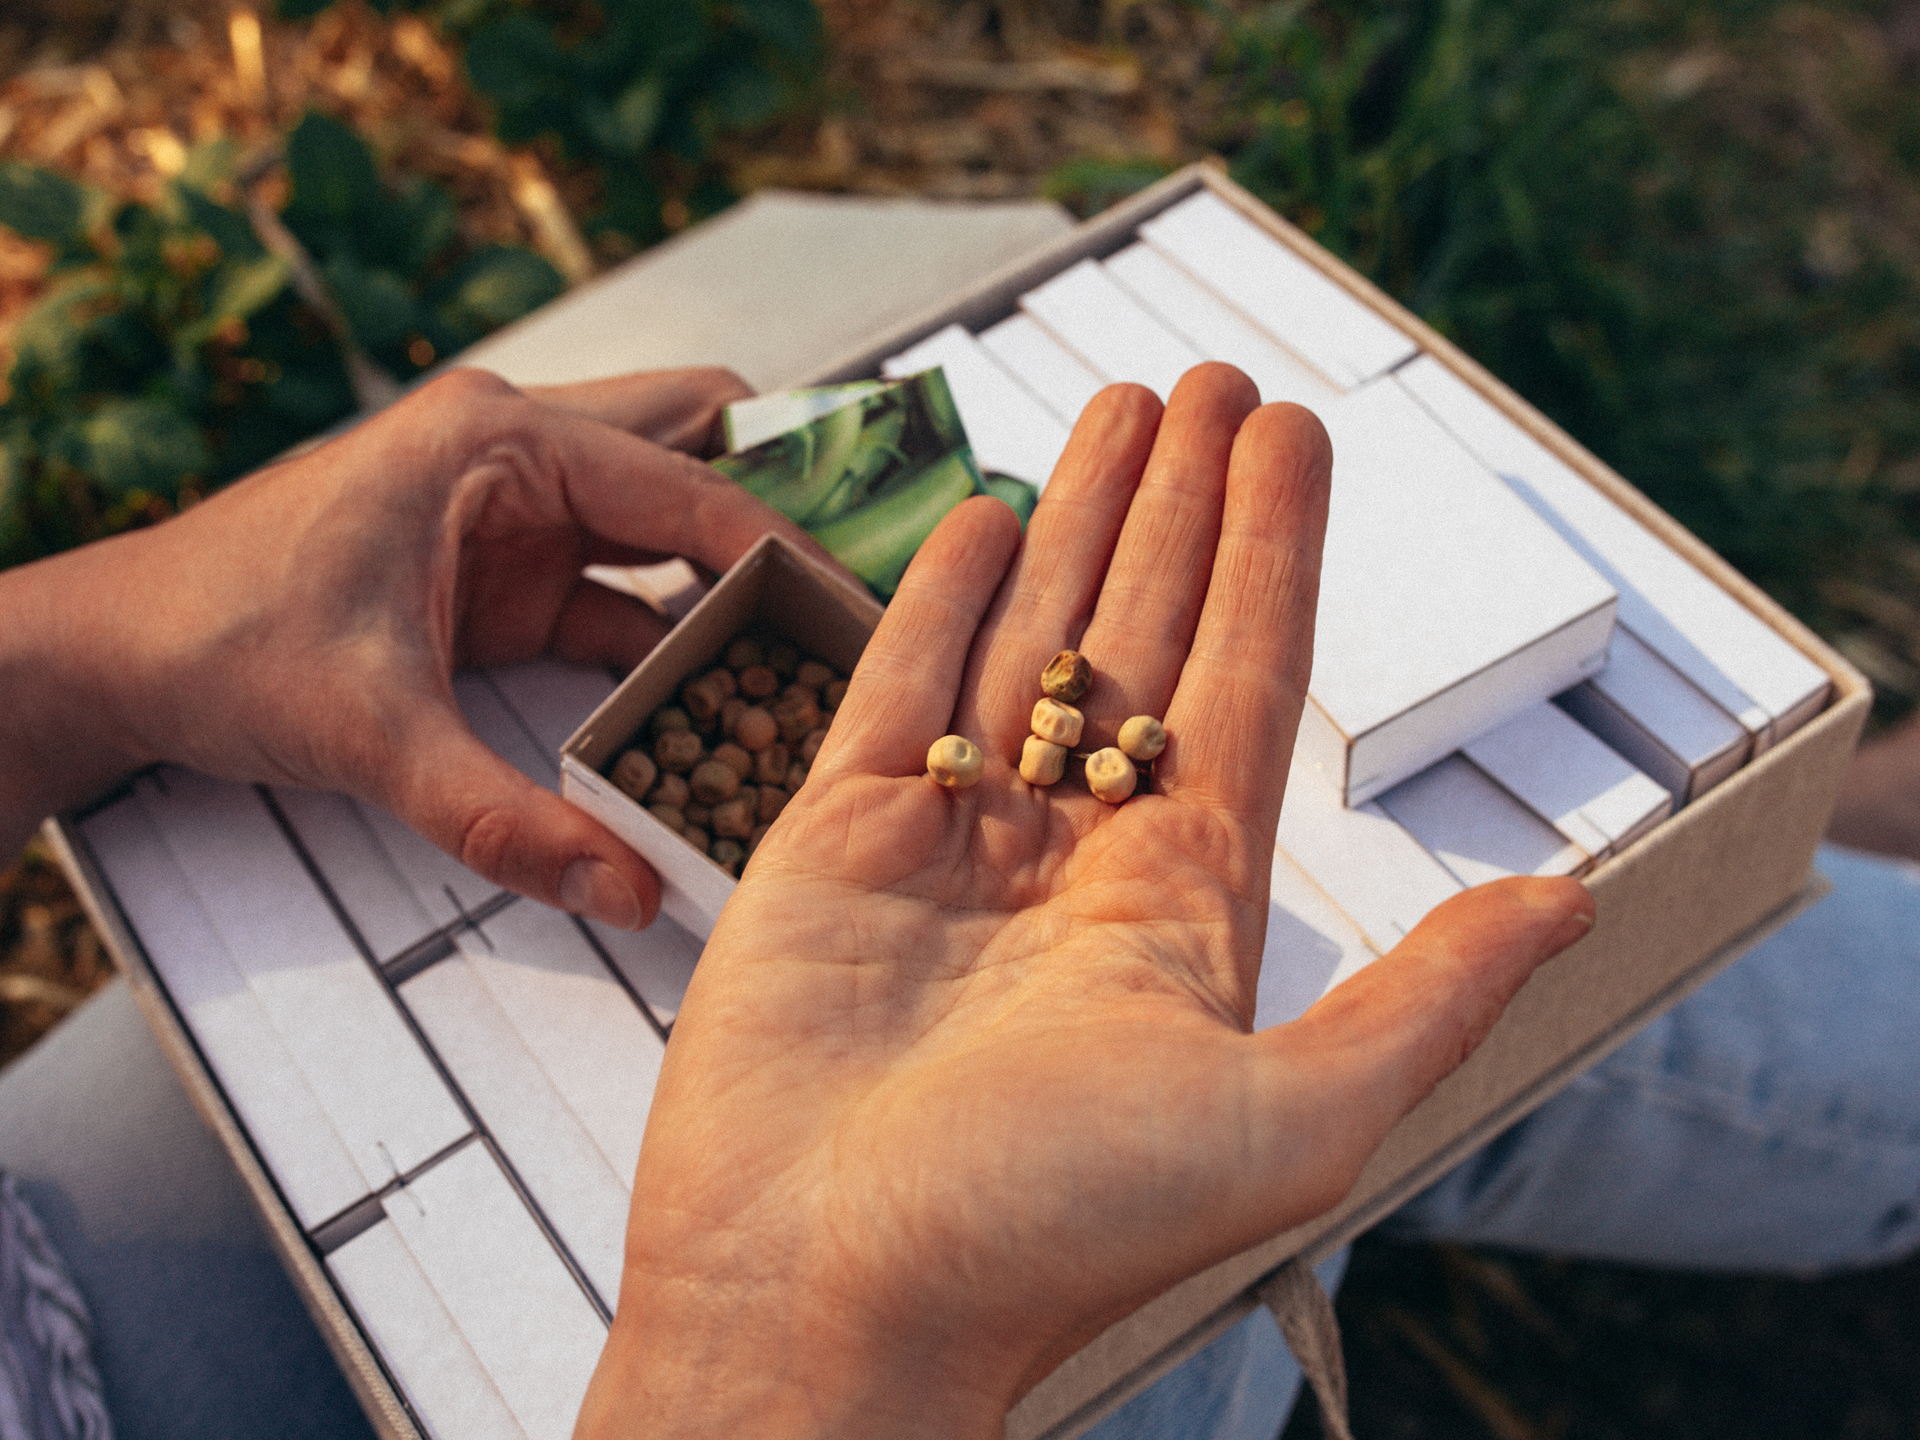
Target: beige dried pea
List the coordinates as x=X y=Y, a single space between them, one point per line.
x=713 y=781
x=734 y=820
x=756 y=729
x=832 y=693
x=743 y=653
x=1057 y=723
x=757 y=682
x=1110 y=775
x=773 y=800
x=728 y=853
x=734 y=758
x=1042 y=762
x=678 y=751
x=1066 y=677
x=955 y=762
x=671 y=816
x=770 y=765
x=634 y=772
x=671 y=790
x=1142 y=738
x=813 y=674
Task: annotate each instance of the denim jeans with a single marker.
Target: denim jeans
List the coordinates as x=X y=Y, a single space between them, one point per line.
x=1770 y=1122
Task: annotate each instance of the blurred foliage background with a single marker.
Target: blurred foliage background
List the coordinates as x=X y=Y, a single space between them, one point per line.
x=1688 y=230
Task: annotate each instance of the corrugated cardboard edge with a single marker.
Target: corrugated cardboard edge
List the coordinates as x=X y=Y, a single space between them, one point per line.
x=369 y=1381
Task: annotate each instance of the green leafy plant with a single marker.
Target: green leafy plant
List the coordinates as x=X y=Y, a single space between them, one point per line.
x=641 y=90
x=173 y=350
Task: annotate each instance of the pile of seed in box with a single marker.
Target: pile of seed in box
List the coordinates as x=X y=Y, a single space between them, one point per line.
x=719 y=765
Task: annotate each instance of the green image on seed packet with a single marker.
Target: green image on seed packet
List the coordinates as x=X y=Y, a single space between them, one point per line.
x=871 y=479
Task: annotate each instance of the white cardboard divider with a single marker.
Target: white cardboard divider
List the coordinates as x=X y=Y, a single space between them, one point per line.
x=1100 y=322
x=1280 y=292
x=578 y=1023
x=269 y=1092
x=332 y=1013
x=395 y=886
x=657 y=961
x=1571 y=779
x=1446 y=605
x=1045 y=366
x=1215 y=329
x=1729 y=653
x=1010 y=430
x=1311 y=947
x=551 y=699
x=1476 y=829
x=436 y=1369
x=531 y=1122
x=1652 y=715
x=512 y=1298
x=1380 y=877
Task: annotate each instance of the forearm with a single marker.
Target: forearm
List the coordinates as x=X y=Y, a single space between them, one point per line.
x=61 y=737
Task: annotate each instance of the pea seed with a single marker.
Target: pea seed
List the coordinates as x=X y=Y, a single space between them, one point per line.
x=671 y=790
x=744 y=653
x=696 y=837
x=757 y=682
x=699 y=815
x=1042 y=762
x=678 y=751
x=1057 y=723
x=702 y=699
x=1142 y=738
x=810 y=745
x=670 y=816
x=735 y=758
x=634 y=772
x=796 y=777
x=671 y=718
x=812 y=674
x=713 y=781
x=955 y=762
x=734 y=820
x=833 y=692
x=1066 y=677
x=757 y=729
x=729 y=853
x=783 y=658
x=731 y=709
x=770 y=765
x=1110 y=775
x=772 y=801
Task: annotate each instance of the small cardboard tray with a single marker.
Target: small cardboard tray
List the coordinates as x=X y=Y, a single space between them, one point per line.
x=774 y=587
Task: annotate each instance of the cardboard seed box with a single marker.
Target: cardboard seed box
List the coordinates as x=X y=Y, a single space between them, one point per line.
x=1675 y=904
x=773 y=587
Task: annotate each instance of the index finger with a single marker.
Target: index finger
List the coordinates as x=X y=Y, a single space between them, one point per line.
x=1237 y=706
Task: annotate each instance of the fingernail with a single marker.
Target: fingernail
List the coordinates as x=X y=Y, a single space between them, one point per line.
x=594 y=889
x=1573 y=928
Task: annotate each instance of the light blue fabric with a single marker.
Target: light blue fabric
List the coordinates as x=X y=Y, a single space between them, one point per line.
x=196 y=1329
x=1769 y=1122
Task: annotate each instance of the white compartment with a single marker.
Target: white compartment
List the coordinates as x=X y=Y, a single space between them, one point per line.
x=1010 y=430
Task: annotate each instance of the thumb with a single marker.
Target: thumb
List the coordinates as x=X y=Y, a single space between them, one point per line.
x=1380 y=1042
x=495 y=821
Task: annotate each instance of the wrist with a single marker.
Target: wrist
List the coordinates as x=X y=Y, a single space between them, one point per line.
x=62 y=650
x=706 y=1353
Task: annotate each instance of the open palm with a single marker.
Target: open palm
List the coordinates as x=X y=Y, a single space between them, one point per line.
x=964 y=1076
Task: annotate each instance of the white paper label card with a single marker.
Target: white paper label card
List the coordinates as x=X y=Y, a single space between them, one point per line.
x=1100 y=322
x=1215 y=329
x=1045 y=366
x=1571 y=779
x=1476 y=829
x=1298 y=305
x=1724 y=649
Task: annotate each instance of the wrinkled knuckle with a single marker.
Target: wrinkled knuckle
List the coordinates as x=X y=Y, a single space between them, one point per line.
x=488 y=843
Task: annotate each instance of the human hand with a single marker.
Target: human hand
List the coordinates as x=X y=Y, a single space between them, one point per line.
x=963 y=1077
x=302 y=626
